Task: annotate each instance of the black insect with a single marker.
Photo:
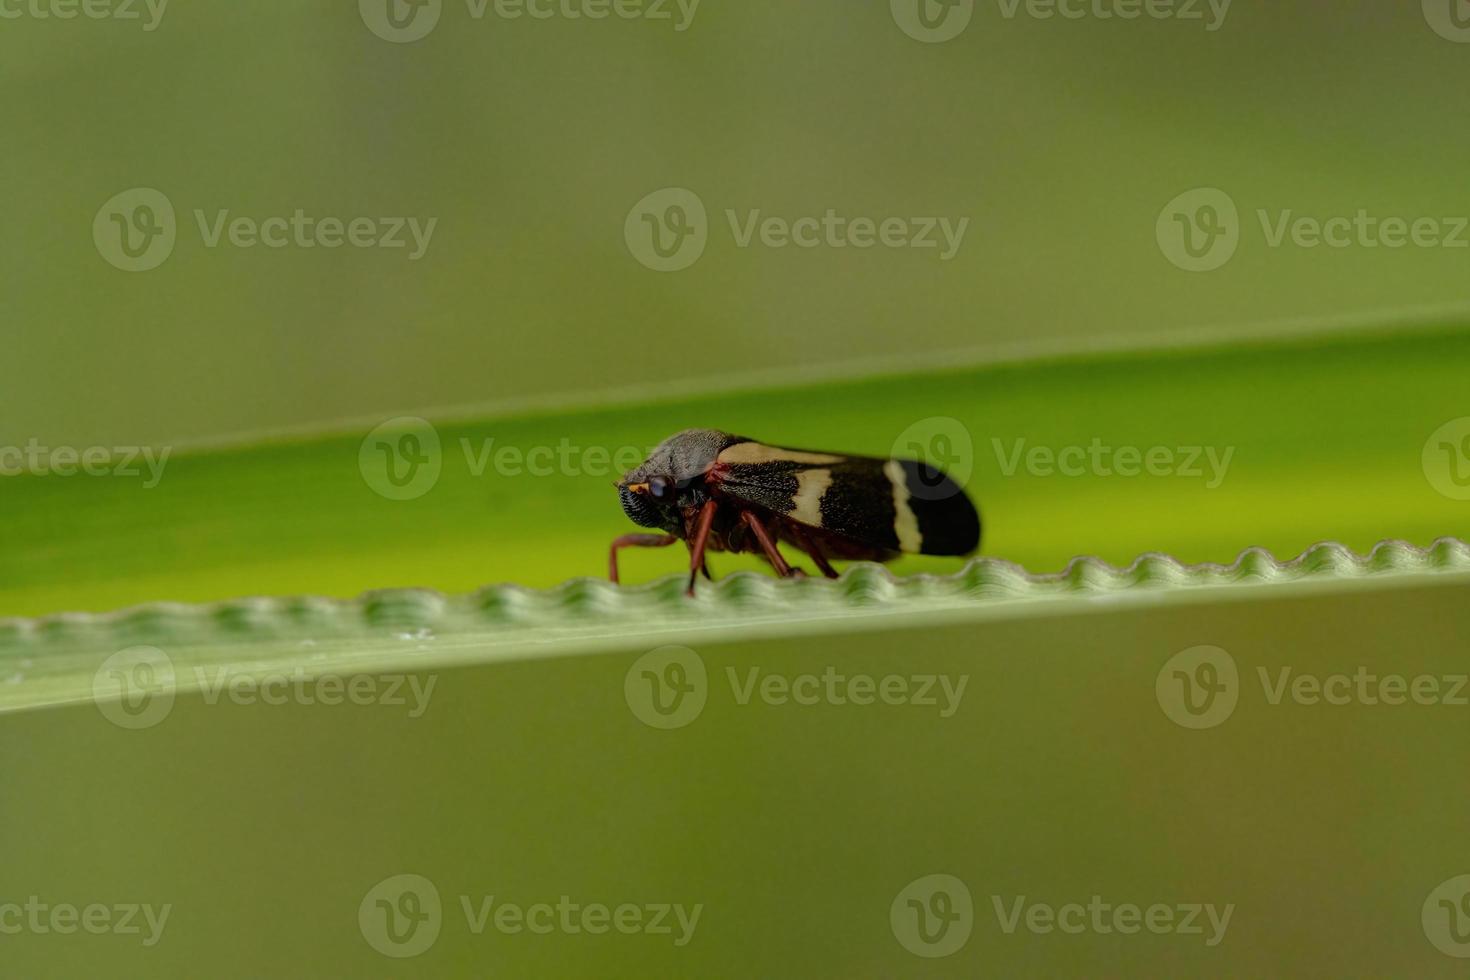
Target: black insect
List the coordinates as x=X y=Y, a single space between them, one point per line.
x=719 y=492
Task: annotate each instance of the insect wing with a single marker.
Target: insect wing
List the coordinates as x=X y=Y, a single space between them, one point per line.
x=887 y=504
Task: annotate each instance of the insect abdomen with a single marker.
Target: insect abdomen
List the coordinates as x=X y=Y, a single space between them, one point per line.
x=933 y=516
x=901 y=505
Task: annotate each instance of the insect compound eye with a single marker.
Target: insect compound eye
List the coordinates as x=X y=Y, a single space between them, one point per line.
x=660 y=488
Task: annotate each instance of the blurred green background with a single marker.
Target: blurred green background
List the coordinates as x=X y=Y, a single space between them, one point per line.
x=1076 y=153
x=530 y=141
x=264 y=828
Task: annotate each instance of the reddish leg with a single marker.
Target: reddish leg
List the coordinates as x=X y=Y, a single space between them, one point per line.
x=767 y=545
x=635 y=541
x=810 y=546
x=698 y=541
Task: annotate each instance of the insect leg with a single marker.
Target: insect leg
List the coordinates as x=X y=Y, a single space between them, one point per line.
x=810 y=546
x=767 y=545
x=634 y=541
x=697 y=542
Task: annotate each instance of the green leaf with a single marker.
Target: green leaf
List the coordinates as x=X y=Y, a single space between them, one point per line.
x=1313 y=441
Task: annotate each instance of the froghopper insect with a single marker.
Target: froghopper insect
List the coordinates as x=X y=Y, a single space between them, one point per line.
x=721 y=492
